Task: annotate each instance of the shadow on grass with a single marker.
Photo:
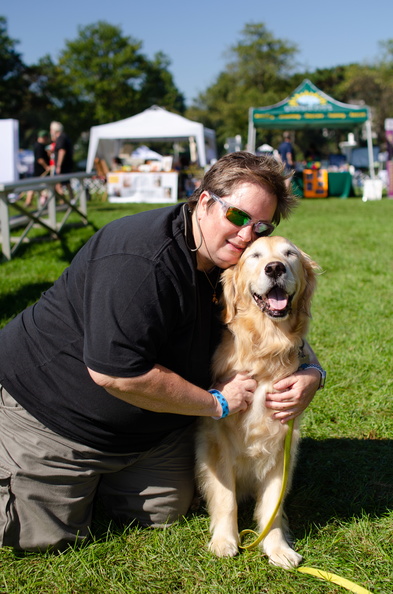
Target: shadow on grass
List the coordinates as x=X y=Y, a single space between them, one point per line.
x=339 y=479
x=65 y=237
x=335 y=479
x=13 y=303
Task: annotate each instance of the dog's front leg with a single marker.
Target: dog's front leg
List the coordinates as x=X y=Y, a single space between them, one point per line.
x=275 y=544
x=220 y=494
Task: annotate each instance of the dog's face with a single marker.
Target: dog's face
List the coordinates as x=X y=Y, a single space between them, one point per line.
x=273 y=275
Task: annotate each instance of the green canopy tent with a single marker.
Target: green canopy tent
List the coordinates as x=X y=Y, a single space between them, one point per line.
x=309 y=107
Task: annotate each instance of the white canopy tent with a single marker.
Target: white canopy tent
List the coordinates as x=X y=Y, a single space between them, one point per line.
x=143 y=152
x=153 y=124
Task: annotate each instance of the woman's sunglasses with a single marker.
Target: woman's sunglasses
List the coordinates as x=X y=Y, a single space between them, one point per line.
x=242 y=219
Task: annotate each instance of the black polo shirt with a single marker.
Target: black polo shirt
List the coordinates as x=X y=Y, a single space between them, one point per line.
x=130 y=299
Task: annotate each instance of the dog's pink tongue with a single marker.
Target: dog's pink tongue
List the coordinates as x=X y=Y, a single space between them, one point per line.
x=277 y=299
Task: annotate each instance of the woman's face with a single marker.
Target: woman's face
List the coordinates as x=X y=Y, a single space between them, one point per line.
x=223 y=242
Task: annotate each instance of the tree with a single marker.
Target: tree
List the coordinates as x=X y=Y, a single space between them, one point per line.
x=13 y=85
x=256 y=74
x=372 y=85
x=383 y=106
x=158 y=87
x=259 y=59
x=387 y=52
x=99 y=77
x=104 y=70
x=19 y=92
x=47 y=99
x=111 y=77
x=27 y=93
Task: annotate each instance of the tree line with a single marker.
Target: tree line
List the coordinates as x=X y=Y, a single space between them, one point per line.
x=103 y=75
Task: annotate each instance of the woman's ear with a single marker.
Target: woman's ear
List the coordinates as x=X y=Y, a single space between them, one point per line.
x=203 y=201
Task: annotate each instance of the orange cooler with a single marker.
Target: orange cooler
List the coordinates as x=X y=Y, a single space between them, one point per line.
x=315 y=183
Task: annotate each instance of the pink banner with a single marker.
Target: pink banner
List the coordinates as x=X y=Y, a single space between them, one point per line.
x=389 y=169
x=389 y=162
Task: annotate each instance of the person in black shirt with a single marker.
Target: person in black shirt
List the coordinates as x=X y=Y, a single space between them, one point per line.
x=41 y=162
x=63 y=154
x=103 y=378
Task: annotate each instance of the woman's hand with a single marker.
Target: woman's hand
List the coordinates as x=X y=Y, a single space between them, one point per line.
x=294 y=394
x=238 y=392
x=162 y=390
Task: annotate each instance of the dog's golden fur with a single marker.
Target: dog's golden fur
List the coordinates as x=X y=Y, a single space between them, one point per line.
x=266 y=309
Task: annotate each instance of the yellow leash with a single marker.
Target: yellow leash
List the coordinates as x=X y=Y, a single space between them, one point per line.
x=323 y=575
x=287 y=456
x=334 y=579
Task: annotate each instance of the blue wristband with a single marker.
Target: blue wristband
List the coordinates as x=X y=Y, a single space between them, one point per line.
x=224 y=404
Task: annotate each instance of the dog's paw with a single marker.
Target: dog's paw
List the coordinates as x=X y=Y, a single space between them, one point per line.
x=285 y=558
x=223 y=546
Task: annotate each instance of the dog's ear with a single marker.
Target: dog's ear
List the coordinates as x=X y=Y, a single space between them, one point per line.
x=310 y=269
x=229 y=294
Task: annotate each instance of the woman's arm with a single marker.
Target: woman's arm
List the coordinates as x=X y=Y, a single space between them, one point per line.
x=161 y=390
x=60 y=159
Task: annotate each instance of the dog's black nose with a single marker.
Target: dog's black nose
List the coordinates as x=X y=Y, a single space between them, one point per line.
x=275 y=269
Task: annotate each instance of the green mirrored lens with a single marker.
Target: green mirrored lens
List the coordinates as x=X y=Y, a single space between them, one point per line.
x=262 y=228
x=237 y=217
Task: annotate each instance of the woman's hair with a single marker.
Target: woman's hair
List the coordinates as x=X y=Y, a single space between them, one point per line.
x=242 y=167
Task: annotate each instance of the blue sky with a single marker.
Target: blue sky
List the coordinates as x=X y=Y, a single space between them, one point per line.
x=196 y=35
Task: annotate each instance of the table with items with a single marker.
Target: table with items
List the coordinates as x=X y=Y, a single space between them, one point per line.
x=136 y=186
x=321 y=183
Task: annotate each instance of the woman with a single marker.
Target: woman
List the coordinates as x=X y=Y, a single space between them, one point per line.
x=103 y=377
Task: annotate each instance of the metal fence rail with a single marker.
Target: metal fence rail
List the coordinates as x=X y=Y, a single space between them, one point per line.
x=46 y=215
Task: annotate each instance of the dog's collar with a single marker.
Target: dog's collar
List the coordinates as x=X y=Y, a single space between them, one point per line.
x=303 y=357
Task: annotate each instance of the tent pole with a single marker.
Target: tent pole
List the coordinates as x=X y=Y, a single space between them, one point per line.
x=251 y=132
x=370 y=149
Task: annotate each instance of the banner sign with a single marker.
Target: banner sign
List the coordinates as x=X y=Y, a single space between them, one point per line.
x=389 y=162
x=142 y=187
x=309 y=106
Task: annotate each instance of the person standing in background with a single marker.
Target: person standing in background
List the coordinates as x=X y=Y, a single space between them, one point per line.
x=287 y=153
x=64 y=161
x=41 y=162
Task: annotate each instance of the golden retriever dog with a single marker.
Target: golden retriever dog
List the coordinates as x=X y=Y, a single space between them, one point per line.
x=266 y=309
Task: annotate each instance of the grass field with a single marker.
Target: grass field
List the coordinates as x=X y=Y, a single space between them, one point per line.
x=341 y=504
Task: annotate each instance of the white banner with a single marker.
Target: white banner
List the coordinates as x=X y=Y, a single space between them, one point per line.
x=9 y=148
x=142 y=187
x=389 y=124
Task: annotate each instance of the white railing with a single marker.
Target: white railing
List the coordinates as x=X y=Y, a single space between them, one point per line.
x=45 y=215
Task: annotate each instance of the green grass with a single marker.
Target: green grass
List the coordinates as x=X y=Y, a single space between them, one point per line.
x=341 y=504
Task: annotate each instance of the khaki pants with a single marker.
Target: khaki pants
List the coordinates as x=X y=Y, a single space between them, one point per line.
x=48 y=483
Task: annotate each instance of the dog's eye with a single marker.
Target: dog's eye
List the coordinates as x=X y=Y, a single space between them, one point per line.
x=256 y=255
x=290 y=253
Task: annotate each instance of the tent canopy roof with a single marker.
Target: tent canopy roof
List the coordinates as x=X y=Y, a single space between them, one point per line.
x=144 y=152
x=308 y=107
x=153 y=124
